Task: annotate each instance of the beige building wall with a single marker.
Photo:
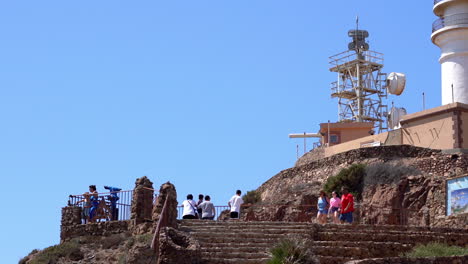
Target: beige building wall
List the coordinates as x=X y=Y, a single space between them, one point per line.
x=432 y=132
x=375 y=140
x=464 y=125
x=443 y=127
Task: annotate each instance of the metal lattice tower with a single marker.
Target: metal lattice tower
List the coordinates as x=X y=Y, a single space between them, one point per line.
x=361 y=85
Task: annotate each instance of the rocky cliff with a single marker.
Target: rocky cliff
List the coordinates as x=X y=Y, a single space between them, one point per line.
x=406 y=180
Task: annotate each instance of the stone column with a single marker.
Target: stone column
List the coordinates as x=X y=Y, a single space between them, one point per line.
x=169 y=193
x=71 y=215
x=142 y=202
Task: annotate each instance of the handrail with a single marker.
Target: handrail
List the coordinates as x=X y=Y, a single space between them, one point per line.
x=162 y=222
x=452 y=20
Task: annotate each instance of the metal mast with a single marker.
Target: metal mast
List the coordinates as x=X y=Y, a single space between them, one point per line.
x=361 y=85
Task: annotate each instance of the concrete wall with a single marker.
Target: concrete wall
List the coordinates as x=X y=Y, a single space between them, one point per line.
x=354 y=144
x=464 y=126
x=431 y=132
x=444 y=127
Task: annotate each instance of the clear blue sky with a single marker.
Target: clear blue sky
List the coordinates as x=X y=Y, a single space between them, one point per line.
x=199 y=93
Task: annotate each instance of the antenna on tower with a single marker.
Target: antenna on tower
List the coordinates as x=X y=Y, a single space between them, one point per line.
x=357 y=22
x=361 y=85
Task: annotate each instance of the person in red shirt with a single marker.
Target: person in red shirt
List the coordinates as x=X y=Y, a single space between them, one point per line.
x=347 y=206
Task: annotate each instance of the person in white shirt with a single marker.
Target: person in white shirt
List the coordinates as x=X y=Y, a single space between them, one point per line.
x=235 y=204
x=190 y=208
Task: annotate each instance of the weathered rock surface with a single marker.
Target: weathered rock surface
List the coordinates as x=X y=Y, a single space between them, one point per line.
x=419 y=198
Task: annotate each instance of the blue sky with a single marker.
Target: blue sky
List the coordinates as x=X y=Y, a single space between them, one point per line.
x=199 y=93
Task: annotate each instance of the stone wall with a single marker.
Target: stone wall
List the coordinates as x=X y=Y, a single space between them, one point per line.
x=169 y=193
x=141 y=216
x=437 y=260
x=142 y=202
x=71 y=215
x=93 y=229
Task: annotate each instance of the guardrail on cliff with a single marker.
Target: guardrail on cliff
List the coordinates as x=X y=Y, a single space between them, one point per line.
x=111 y=206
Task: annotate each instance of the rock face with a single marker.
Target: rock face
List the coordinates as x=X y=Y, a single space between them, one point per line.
x=169 y=193
x=415 y=197
x=178 y=247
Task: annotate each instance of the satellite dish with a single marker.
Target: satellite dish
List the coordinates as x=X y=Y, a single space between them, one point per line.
x=394 y=117
x=396 y=83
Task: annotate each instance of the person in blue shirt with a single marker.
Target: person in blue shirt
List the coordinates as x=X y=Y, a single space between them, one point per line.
x=322 y=206
x=94 y=203
x=113 y=198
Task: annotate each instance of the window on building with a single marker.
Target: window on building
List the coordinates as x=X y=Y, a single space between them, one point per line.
x=334 y=139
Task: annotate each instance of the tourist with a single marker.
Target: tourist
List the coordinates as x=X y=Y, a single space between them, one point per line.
x=113 y=198
x=94 y=199
x=322 y=206
x=235 y=204
x=335 y=205
x=199 y=210
x=347 y=206
x=190 y=208
x=86 y=206
x=207 y=209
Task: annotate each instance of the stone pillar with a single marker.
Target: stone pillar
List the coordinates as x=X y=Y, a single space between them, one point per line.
x=142 y=202
x=169 y=193
x=71 y=215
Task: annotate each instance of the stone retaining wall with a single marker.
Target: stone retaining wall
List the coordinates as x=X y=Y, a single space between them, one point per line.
x=437 y=260
x=93 y=229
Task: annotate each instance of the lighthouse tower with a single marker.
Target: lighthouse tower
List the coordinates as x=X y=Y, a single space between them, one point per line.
x=450 y=33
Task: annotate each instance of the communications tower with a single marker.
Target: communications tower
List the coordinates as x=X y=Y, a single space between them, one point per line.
x=361 y=85
x=450 y=33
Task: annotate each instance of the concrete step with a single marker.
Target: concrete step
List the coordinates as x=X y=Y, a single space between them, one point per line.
x=242 y=235
x=215 y=260
x=234 y=255
x=379 y=237
x=334 y=259
x=235 y=240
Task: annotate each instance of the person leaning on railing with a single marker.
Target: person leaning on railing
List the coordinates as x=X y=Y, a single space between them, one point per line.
x=94 y=203
x=86 y=206
x=207 y=209
x=190 y=208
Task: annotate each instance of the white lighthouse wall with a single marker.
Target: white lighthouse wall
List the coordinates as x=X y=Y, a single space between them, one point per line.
x=459 y=7
x=455 y=71
x=454 y=64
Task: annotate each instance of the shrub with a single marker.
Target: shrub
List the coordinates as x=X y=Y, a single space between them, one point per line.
x=292 y=251
x=436 y=250
x=383 y=173
x=351 y=177
x=70 y=250
x=252 y=197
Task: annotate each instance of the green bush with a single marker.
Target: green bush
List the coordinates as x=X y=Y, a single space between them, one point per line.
x=251 y=197
x=70 y=250
x=351 y=177
x=436 y=250
x=292 y=251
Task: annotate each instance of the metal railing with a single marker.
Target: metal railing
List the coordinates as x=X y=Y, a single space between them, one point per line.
x=371 y=215
x=218 y=210
x=351 y=55
x=109 y=207
x=452 y=20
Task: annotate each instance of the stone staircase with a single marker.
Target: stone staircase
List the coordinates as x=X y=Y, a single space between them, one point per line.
x=225 y=242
